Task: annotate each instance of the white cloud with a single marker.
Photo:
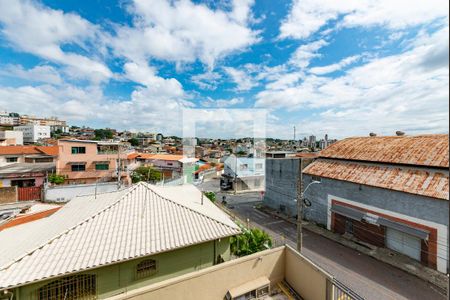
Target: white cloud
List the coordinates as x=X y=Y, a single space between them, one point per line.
x=243 y=81
x=207 y=81
x=44 y=73
x=183 y=32
x=309 y=16
x=335 y=67
x=305 y=53
x=408 y=91
x=41 y=31
x=221 y=103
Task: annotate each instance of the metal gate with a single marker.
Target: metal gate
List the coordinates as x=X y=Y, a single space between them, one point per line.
x=342 y=292
x=29 y=193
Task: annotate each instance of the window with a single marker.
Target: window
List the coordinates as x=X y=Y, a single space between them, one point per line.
x=78 y=167
x=316 y=178
x=100 y=167
x=259 y=166
x=78 y=150
x=11 y=159
x=71 y=287
x=146 y=268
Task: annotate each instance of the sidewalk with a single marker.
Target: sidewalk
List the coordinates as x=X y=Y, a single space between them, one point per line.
x=382 y=254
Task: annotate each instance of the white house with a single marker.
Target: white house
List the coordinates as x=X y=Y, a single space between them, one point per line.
x=33 y=133
x=10 y=137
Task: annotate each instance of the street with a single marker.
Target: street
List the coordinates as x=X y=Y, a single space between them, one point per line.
x=368 y=277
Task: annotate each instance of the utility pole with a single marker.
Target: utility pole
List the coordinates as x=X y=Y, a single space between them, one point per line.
x=300 y=206
x=118 y=166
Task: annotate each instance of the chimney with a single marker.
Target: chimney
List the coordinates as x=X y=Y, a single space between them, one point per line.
x=399 y=133
x=372 y=134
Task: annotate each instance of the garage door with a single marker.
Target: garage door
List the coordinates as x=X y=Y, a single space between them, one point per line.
x=403 y=243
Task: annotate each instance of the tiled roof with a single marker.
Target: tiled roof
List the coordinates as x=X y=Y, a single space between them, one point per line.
x=423 y=150
x=20 y=150
x=49 y=150
x=140 y=221
x=433 y=184
x=7 y=150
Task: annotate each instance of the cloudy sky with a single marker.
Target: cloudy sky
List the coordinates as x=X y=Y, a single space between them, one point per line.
x=344 y=68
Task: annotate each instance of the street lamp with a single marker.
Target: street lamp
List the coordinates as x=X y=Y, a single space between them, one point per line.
x=299 y=215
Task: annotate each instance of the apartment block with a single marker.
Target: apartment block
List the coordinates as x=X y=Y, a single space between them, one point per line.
x=33 y=133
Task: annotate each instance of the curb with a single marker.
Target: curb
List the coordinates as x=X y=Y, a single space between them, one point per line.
x=382 y=254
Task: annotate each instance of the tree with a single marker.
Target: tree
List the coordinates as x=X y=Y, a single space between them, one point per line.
x=147 y=174
x=134 y=142
x=210 y=195
x=56 y=179
x=103 y=134
x=250 y=241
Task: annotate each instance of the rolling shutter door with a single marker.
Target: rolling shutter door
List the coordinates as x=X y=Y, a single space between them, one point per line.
x=403 y=243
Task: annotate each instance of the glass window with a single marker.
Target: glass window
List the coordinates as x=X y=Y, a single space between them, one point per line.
x=100 y=167
x=11 y=159
x=78 y=167
x=78 y=150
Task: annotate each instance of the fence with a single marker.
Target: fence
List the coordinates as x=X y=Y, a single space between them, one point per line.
x=29 y=193
x=64 y=193
x=342 y=292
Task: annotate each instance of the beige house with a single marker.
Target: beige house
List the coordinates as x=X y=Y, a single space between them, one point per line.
x=82 y=162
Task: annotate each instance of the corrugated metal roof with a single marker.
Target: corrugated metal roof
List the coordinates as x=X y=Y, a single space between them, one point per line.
x=424 y=150
x=433 y=184
x=124 y=225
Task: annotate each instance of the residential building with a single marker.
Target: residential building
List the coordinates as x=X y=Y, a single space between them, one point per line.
x=25 y=175
x=172 y=166
x=390 y=191
x=27 y=154
x=111 y=244
x=282 y=177
x=33 y=133
x=279 y=273
x=11 y=138
x=54 y=123
x=9 y=119
x=84 y=161
x=243 y=173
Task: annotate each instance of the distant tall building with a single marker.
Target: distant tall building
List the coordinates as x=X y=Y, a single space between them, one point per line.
x=312 y=141
x=53 y=122
x=33 y=133
x=9 y=119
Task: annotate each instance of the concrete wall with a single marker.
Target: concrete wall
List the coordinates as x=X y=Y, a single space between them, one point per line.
x=409 y=204
x=119 y=279
x=281 y=184
x=8 y=194
x=213 y=283
x=306 y=278
x=64 y=193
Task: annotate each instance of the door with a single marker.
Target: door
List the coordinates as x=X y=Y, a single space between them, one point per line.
x=403 y=243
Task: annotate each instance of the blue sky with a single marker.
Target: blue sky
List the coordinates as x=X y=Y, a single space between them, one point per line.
x=342 y=68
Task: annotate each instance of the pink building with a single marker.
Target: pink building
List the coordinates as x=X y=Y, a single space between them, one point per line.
x=90 y=161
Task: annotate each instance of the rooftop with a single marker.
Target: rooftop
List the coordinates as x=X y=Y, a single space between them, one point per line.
x=155 y=220
x=20 y=150
x=423 y=150
x=428 y=183
x=27 y=168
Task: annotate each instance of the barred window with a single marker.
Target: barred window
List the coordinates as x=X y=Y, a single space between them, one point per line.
x=146 y=268
x=82 y=286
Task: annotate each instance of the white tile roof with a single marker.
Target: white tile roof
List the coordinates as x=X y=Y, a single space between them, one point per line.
x=88 y=233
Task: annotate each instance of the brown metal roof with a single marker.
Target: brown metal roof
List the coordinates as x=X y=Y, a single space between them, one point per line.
x=404 y=179
x=424 y=150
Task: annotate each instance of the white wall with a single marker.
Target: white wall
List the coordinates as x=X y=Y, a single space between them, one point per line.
x=65 y=193
x=33 y=133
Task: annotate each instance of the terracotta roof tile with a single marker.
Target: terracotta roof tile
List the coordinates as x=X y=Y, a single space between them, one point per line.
x=423 y=150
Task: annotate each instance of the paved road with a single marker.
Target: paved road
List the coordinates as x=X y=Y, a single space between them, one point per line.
x=368 y=277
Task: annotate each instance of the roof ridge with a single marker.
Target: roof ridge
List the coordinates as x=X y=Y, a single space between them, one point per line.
x=188 y=208
x=68 y=230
